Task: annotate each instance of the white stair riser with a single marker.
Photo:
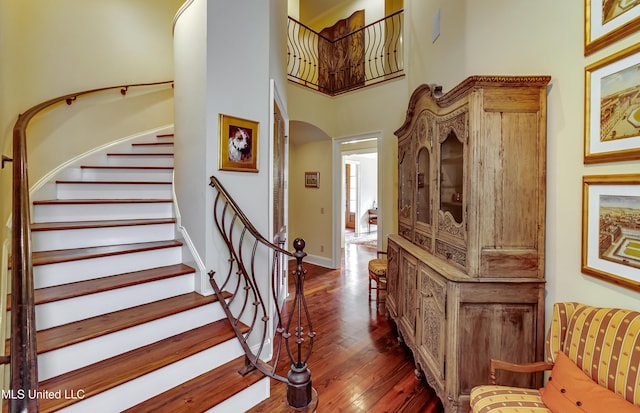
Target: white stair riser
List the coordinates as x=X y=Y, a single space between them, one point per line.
x=159 y=147
x=151 y=160
x=114 y=191
x=133 y=392
x=246 y=399
x=80 y=270
x=70 y=358
x=147 y=175
x=93 y=237
x=95 y=212
x=67 y=311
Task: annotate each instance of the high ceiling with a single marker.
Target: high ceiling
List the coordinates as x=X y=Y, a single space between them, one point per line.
x=310 y=9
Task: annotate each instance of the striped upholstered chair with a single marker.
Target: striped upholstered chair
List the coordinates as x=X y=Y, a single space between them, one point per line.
x=594 y=355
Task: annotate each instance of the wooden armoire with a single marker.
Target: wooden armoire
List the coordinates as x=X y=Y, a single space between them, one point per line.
x=466 y=270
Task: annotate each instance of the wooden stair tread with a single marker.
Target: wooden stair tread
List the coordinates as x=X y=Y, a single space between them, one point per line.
x=106 y=374
x=196 y=395
x=87 y=329
x=126 y=167
x=152 y=144
x=75 y=254
x=101 y=201
x=98 y=285
x=51 y=226
x=165 y=135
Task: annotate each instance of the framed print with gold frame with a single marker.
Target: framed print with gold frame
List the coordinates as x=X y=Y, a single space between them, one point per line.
x=607 y=21
x=612 y=110
x=611 y=228
x=238 y=144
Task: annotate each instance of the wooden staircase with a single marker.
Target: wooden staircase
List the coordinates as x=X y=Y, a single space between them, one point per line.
x=120 y=326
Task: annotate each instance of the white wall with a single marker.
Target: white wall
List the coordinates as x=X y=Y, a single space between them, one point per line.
x=223 y=67
x=191 y=149
x=51 y=49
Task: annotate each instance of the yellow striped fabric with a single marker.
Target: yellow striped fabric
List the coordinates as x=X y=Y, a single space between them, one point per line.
x=503 y=399
x=605 y=344
x=562 y=313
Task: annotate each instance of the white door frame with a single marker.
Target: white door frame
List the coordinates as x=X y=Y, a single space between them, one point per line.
x=282 y=293
x=336 y=185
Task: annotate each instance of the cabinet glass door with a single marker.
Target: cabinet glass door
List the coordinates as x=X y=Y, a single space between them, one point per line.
x=405 y=159
x=451 y=176
x=423 y=201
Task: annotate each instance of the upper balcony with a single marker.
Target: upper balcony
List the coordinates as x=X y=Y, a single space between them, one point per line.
x=345 y=57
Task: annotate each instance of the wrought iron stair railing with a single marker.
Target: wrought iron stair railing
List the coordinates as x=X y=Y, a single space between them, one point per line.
x=255 y=266
x=364 y=57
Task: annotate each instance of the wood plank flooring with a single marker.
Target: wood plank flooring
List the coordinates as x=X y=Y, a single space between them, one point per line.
x=357 y=364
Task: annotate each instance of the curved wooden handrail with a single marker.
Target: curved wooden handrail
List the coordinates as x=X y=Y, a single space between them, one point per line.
x=23 y=352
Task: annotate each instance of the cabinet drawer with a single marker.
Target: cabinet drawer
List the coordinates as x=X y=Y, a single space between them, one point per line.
x=451 y=253
x=423 y=240
x=405 y=231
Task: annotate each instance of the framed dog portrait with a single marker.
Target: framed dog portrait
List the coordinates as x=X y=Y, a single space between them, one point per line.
x=612 y=110
x=611 y=228
x=607 y=21
x=238 y=144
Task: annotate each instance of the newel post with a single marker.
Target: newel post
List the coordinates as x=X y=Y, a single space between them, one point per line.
x=300 y=393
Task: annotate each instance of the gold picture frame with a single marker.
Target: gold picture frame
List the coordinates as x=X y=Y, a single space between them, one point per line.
x=607 y=21
x=611 y=228
x=312 y=179
x=612 y=118
x=238 y=144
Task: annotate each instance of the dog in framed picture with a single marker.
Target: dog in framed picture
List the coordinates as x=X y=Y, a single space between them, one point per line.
x=239 y=145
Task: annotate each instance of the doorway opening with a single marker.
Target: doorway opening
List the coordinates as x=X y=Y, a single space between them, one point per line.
x=361 y=197
x=361 y=150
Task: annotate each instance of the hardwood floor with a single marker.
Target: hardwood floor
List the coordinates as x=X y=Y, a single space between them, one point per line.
x=357 y=364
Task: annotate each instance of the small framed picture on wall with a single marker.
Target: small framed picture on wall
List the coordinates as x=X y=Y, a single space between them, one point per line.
x=612 y=108
x=607 y=21
x=611 y=228
x=312 y=179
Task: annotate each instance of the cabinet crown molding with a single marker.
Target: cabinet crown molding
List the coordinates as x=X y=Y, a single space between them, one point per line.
x=434 y=91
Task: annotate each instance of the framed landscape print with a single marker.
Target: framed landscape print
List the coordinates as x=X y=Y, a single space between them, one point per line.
x=612 y=108
x=312 y=179
x=238 y=144
x=607 y=21
x=611 y=228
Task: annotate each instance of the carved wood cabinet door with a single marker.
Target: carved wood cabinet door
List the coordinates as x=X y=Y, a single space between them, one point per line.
x=392 y=277
x=432 y=339
x=408 y=296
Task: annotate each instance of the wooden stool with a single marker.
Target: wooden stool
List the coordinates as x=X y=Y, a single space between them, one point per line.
x=378 y=273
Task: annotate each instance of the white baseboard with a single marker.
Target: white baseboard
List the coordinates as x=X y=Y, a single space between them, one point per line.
x=316 y=260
